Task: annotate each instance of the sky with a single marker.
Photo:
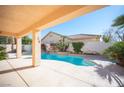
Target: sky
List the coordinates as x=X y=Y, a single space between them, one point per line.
x=96 y=22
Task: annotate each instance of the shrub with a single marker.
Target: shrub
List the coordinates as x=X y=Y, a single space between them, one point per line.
x=116 y=51
x=106 y=39
x=3 y=54
x=77 y=46
x=43 y=47
x=62 y=46
x=26 y=40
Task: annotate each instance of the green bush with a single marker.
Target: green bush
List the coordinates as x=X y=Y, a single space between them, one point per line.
x=3 y=54
x=106 y=39
x=43 y=47
x=116 y=51
x=26 y=40
x=77 y=46
x=62 y=46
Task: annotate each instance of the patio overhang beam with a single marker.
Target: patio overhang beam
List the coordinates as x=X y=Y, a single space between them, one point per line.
x=4 y=33
x=63 y=14
x=76 y=13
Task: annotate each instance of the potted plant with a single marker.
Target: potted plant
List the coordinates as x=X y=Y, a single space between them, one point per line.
x=116 y=51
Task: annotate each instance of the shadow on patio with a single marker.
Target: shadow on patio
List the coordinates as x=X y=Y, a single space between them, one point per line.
x=96 y=57
x=15 y=69
x=111 y=72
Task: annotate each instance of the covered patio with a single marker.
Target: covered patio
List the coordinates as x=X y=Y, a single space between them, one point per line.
x=18 y=21
x=21 y=70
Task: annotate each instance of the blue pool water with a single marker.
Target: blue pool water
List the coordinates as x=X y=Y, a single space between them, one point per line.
x=80 y=61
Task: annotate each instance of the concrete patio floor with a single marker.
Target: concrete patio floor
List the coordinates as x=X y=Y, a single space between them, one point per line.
x=20 y=73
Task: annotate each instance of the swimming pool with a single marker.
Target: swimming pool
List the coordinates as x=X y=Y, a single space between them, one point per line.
x=80 y=61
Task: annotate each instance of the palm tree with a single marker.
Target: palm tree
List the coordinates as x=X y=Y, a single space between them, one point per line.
x=119 y=22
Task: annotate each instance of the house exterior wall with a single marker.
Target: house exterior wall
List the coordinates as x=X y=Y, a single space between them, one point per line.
x=98 y=47
x=93 y=47
x=53 y=38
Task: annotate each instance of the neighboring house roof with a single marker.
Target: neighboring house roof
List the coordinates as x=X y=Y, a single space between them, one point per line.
x=75 y=37
x=84 y=36
x=56 y=34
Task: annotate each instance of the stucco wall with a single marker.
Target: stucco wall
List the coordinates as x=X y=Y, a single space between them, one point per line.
x=93 y=47
x=53 y=38
x=96 y=47
x=89 y=47
x=27 y=48
x=8 y=47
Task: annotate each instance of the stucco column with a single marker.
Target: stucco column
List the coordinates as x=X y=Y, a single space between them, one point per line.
x=18 y=47
x=36 y=49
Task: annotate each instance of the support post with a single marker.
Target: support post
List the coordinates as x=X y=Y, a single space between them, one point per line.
x=18 y=47
x=36 y=49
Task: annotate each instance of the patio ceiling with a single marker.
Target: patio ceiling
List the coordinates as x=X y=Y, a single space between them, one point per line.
x=21 y=20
